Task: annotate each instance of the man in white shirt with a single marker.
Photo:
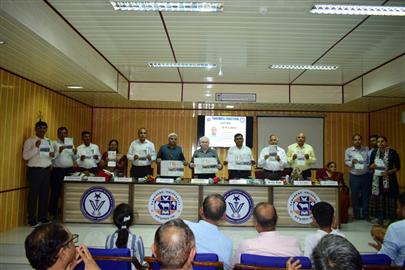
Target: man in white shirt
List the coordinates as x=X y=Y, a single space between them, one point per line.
x=208 y=238
x=323 y=217
x=268 y=242
x=62 y=165
x=239 y=159
x=88 y=154
x=142 y=153
x=38 y=152
x=273 y=159
x=356 y=158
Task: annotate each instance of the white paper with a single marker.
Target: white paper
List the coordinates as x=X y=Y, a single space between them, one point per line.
x=199 y=181
x=380 y=166
x=44 y=149
x=239 y=162
x=68 y=142
x=164 y=180
x=238 y=181
x=302 y=183
x=73 y=178
x=378 y=172
x=273 y=182
x=205 y=165
x=360 y=161
x=89 y=153
x=171 y=168
x=300 y=160
x=142 y=159
x=329 y=183
x=123 y=179
x=96 y=179
x=112 y=155
x=111 y=163
x=272 y=152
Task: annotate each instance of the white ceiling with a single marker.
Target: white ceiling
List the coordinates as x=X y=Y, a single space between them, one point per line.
x=241 y=41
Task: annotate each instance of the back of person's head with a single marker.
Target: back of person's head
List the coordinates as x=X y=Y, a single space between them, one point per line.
x=214 y=207
x=42 y=245
x=174 y=244
x=323 y=214
x=334 y=252
x=123 y=217
x=265 y=215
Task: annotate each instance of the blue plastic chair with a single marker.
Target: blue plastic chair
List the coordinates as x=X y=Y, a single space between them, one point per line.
x=108 y=264
x=200 y=257
x=272 y=261
x=375 y=259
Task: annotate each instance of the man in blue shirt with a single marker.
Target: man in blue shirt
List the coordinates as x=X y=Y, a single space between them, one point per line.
x=394 y=240
x=207 y=236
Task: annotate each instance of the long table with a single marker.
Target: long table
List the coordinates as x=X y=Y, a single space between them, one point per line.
x=93 y=202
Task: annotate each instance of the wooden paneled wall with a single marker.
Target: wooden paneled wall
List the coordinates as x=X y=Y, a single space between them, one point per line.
x=388 y=123
x=20 y=104
x=122 y=124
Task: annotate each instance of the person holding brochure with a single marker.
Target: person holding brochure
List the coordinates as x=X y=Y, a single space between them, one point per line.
x=273 y=159
x=113 y=161
x=171 y=152
x=142 y=153
x=62 y=165
x=88 y=155
x=239 y=159
x=205 y=159
x=356 y=159
x=38 y=152
x=384 y=186
x=301 y=156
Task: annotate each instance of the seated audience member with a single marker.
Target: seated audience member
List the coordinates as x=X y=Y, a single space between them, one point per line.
x=205 y=151
x=174 y=245
x=394 y=239
x=268 y=242
x=208 y=238
x=330 y=173
x=335 y=252
x=123 y=218
x=118 y=162
x=88 y=155
x=239 y=155
x=323 y=218
x=52 y=246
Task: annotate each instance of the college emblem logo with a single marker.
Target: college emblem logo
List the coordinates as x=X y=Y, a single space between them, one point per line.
x=165 y=204
x=239 y=206
x=97 y=203
x=300 y=204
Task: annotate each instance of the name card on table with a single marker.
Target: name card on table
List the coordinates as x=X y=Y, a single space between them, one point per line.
x=238 y=181
x=302 y=183
x=72 y=178
x=123 y=179
x=200 y=181
x=273 y=182
x=96 y=179
x=329 y=183
x=164 y=180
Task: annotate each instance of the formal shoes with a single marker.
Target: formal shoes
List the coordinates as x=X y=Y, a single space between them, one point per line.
x=33 y=224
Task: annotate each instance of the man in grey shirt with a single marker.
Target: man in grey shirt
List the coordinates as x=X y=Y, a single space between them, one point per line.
x=356 y=158
x=205 y=151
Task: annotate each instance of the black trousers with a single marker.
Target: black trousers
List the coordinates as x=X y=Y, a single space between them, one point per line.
x=38 y=180
x=272 y=175
x=236 y=174
x=306 y=174
x=141 y=171
x=204 y=175
x=57 y=176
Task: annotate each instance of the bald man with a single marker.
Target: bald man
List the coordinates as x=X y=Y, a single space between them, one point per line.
x=268 y=242
x=301 y=156
x=174 y=245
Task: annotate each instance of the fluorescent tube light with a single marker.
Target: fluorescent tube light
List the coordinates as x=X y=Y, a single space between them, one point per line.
x=310 y=67
x=229 y=106
x=74 y=86
x=181 y=65
x=358 y=10
x=168 y=6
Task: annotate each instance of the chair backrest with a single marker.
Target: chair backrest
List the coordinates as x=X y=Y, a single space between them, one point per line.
x=375 y=259
x=111 y=259
x=202 y=261
x=255 y=267
x=272 y=261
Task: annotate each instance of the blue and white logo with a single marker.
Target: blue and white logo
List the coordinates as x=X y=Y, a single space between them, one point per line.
x=300 y=204
x=239 y=206
x=165 y=204
x=97 y=203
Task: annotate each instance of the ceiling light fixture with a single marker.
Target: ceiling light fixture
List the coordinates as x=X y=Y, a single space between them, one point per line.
x=310 y=67
x=168 y=6
x=229 y=106
x=358 y=10
x=181 y=65
x=2 y=42
x=74 y=86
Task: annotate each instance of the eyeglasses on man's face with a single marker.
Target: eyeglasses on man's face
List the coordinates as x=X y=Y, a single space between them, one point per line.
x=73 y=239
